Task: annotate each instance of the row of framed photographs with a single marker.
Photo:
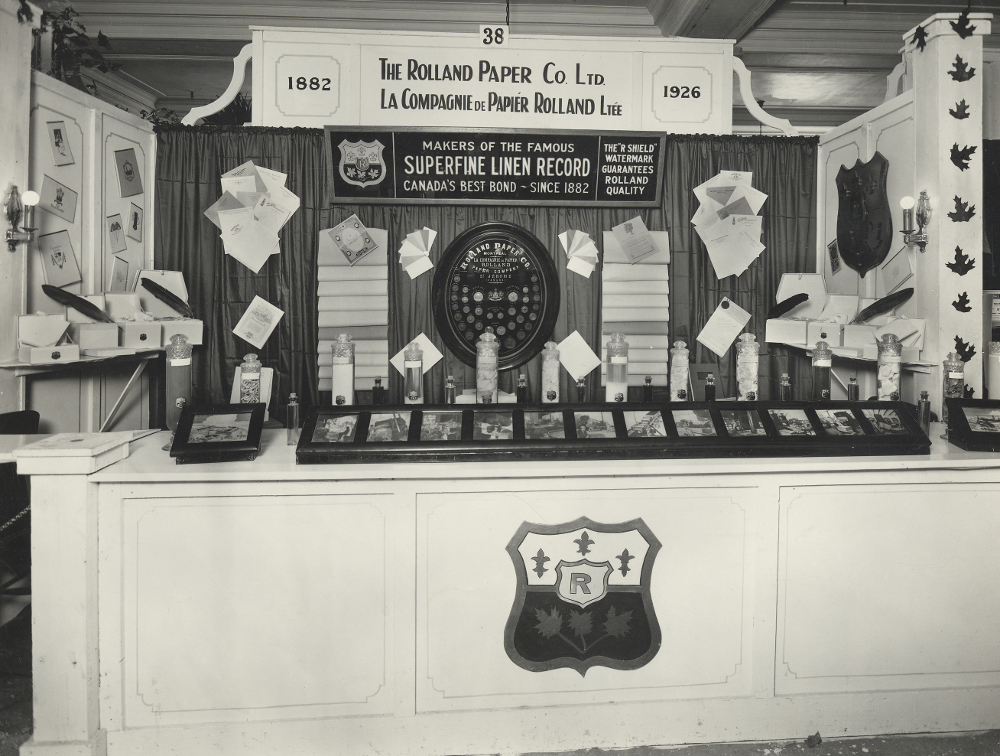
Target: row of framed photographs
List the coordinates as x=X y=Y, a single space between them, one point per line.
x=974 y=424
x=351 y=434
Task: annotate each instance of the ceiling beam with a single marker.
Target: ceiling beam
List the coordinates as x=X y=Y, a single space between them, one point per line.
x=707 y=19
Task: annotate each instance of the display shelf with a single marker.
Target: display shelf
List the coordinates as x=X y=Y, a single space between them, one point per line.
x=24 y=368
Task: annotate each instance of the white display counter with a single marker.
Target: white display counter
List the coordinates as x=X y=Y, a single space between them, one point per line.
x=263 y=607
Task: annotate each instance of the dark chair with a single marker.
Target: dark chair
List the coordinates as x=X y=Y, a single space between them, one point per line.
x=15 y=523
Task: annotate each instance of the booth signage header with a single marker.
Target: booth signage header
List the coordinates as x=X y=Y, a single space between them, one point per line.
x=423 y=166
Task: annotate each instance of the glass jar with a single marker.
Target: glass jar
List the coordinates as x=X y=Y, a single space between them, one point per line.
x=616 y=383
x=250 y=379
x=292 y=419
x=853 y=390
x=178 y=378
x=747 y=367
x=413 y=374
x=487 y=356
x=890 y=357
x=343 y=370
x=550 y=372
x=680 y=359
x=822 y=364
x=954 y=382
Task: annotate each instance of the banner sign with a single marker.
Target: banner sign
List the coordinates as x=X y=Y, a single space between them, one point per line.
x=425 y=166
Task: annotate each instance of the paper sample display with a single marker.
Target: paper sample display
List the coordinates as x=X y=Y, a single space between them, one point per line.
x=257 y=323
x=58 y=260
x=724 y=326
x=253 y=208
x=352 y=239
x=581 y=252
x=58 y=199
x=415 y=250
x=634 y=239
x=727 y=221
x=129 y=180
x=577 y=356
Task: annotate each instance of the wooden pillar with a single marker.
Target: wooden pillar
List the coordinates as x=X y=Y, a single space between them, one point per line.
x=15 y=94
x=948 y=103
x=64 y=621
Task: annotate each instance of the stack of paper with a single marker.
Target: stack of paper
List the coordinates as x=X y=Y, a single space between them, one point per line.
x=415 y=250
x=581 y=252
x=254 y=207
x=727 y=221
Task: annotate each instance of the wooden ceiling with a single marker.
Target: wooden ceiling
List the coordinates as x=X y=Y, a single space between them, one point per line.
x=818 y=63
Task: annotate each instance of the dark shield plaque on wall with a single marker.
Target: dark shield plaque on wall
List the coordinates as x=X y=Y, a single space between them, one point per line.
x=583 y=596
x=496 y=277
x=864 y=218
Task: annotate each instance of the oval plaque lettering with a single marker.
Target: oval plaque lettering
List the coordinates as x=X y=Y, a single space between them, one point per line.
x=496 y=277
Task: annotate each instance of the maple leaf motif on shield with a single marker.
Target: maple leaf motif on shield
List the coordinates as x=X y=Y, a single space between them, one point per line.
x=580 y=623
x=969 y=392
x=920 y=38
x=617 y=624
x=961 y=71
x=962 y=303
x=961 y=157
x=965 y=351
x=963 y=212
x=960 y=111
x=962 y=27
x=962 y=263
x=549 y=624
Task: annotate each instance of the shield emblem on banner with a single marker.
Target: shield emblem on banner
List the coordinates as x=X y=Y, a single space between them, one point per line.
x=583 y=596
x=361 y=163
x=864 y=218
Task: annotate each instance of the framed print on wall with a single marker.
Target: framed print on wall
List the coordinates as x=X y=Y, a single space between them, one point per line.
x=59 y=143
x=133 y=228
x=58 y=199
x=116 y=234
x=59 y=263
x=129 y=180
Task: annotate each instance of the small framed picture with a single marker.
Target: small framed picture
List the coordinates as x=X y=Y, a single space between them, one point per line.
x=58 y=199
x=133 y=227
x=119 y=274
x=693 y=423
x=492 y=426
x=839 y=422
x=791 y=422
x=59 y=143
x=388 y=427
x=743 y=423
x=541 y=426
x=338 y=429
x=129 y=179
x=644 y=424
x=59 y=265
x=441 y=426
x=886 y=422
x=594 y=424
x=218 y=433
x=116 y=234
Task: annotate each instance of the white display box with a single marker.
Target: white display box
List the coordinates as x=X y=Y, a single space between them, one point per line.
x=803 y=283
x=75 y=316
x=782 y=331
x=122 y=306
x=40 y=330
x=96 y=336
x=48 y=355
x=831 y=333
x=859 y=335
x=193 y=329
x=141 y=335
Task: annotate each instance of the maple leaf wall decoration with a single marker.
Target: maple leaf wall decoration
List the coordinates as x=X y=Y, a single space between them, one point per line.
x=961 y=71
x=961 y=156
x=963 y=212
x=962 y=303
x=920 y=38
x=960 y=111
x=962 y=27
x=968 y=392
x=966 y=351
x=962 y=263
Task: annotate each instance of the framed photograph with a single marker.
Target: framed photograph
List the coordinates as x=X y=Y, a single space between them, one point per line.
x=648 y=424
x=441 y=426
x=839 y=422
x=129 y=178
x=218 y=433
x=539 y=426
x=594 y=424
x=692 y=423
x=791 y=422
x=885 y=421
x=743 y=423
x=59 y=265
x=339 y=429
x=493 y=426
x=388 y=426
x=119 y=275
x=59 y=143
x=58 y=199
x=133 y=227
x=974 y=424
x=116 y=234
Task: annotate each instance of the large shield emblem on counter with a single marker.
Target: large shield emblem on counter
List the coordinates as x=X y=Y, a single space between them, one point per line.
x=864 y=218
x=583 y=596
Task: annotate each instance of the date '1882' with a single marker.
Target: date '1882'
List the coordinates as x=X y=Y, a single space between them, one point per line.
x=314 y=83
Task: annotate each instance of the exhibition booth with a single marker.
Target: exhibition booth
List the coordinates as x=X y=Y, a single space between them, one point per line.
x=735 y=479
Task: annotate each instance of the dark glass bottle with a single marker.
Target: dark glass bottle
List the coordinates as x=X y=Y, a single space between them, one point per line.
x=710 y=388
x=378 y=392
x=522 y=389
x=647 y=389
x=581 y=391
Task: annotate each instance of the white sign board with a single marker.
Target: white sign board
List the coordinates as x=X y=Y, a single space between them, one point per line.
x=340 y=77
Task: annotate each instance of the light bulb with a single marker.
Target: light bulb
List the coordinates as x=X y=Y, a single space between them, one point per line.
x=907 y=203
x=30 y=199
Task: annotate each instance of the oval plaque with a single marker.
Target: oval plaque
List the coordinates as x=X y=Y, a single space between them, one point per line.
x=496 y=277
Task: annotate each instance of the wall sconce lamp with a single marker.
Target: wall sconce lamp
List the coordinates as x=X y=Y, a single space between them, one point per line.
x=18 y=206
x=910 y=236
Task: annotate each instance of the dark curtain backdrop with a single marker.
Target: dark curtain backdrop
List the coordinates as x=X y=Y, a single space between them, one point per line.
x=191 y=159
x=991 y=213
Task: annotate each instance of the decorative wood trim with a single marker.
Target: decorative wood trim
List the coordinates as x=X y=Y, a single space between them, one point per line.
x=746 y=92
x=239 y=74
